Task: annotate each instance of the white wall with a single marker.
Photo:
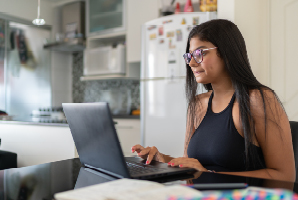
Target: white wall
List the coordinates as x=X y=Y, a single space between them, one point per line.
x=61 y=81
x=146 y=11
x=252 y=18
x=27 y=9
x=226 y=9
x=283 y=54
x=61 y=71
x=269 y=29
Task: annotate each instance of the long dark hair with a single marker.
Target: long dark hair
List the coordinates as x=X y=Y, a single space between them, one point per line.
x=231 y=48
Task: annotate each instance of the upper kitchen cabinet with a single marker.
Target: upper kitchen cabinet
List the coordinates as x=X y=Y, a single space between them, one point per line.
x=105 y=17
x=68 y=27
x=114 y=20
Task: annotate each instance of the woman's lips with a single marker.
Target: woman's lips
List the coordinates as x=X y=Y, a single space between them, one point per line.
x=199 y=72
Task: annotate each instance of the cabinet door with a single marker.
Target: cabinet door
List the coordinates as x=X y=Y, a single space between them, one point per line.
x=37 y=144
x=105 y=17
x=128 y=131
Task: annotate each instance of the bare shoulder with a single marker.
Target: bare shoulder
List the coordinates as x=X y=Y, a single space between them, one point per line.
x=265 y=97
x=266 y=107
x=202 y=103
x=204 y=97
x=201 y=108
x=255 y=96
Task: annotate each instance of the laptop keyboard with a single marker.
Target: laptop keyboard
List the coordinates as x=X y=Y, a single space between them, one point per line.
x=139 y=168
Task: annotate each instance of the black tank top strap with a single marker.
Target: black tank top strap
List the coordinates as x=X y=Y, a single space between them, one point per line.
x=233 y=99
x=210 y=101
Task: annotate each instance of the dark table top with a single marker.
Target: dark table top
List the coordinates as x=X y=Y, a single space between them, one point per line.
x=43 y=181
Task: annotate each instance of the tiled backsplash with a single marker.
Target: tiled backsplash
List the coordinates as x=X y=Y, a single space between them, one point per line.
x=122 y=94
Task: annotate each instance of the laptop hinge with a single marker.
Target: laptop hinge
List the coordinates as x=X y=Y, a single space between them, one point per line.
x=105 y=171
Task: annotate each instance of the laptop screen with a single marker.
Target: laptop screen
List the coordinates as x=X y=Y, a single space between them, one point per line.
x=95 y=137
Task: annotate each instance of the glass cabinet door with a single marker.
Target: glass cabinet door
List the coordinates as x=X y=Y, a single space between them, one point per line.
x=105 y=16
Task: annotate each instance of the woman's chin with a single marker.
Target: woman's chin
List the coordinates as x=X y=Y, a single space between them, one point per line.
x=200 y=80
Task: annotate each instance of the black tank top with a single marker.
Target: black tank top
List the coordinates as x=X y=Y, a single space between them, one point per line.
x=217 y=145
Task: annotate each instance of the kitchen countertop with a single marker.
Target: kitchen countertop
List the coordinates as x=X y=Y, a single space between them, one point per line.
x=46 y=121
x=33 y=121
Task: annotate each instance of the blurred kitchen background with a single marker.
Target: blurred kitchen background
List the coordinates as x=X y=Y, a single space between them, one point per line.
x=43 y=66
x=95 y=50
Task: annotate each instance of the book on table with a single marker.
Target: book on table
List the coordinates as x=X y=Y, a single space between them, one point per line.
x=128 y=189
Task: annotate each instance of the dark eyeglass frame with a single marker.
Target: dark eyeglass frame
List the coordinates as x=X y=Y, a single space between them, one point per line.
x=191 y=54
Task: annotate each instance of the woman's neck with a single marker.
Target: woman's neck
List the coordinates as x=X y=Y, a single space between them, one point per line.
x=223 y=88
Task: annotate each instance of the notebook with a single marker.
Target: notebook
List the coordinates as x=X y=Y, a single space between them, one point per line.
x=98 y=146
x=123 y=189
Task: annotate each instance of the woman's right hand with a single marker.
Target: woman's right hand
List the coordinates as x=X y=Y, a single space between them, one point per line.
x=148 y=153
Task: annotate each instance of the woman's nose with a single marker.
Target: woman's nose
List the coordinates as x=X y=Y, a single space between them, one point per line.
x=193 y=63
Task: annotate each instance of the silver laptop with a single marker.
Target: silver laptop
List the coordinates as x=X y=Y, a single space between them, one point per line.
x=98 y=146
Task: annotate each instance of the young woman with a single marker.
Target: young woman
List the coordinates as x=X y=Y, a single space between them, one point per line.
x=239 y=126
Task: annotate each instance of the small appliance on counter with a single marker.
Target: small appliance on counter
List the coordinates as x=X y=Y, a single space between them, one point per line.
x=48 y=120
x=105 y=60
x=54 y=113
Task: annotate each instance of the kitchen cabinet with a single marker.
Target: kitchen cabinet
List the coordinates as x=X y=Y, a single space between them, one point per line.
x=105 y=17
x=68 y=28
x=135 y=14
x=37 y=144
x=128 y=131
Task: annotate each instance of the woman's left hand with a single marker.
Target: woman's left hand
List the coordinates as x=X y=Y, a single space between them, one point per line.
x=187 y=162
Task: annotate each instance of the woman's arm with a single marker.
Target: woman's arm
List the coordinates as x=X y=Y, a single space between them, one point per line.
x=275 y=142
x=267 y=173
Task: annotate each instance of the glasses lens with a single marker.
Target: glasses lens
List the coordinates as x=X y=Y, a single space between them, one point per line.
x=187 y=58
x=197 y=54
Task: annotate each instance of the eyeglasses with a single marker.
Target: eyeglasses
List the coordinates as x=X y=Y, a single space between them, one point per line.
x=196 y=54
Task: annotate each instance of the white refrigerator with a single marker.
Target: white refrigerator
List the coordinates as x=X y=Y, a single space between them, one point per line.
x=163 y=101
